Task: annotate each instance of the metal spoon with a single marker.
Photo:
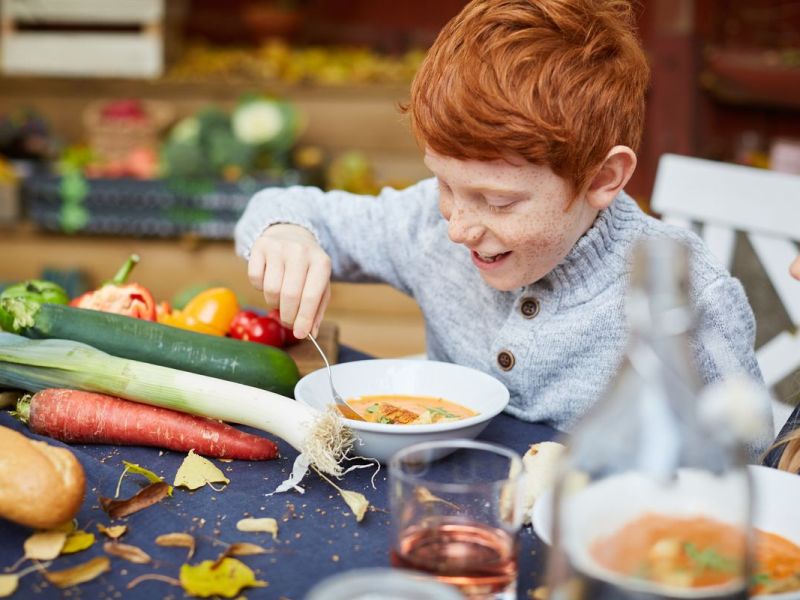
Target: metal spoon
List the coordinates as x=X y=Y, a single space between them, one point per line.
x=344 y=408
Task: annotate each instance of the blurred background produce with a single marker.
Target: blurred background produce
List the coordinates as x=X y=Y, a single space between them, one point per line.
x=220 y=99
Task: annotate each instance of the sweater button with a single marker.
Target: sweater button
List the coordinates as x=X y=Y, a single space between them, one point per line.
x=529 y=308
x=506 y=360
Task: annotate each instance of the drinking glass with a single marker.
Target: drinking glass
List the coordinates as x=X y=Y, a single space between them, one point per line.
x=456 y=513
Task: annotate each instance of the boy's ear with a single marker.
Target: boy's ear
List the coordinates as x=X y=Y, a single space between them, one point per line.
x=614 y=173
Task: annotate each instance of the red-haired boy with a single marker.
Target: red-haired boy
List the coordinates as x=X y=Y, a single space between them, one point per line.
x=529 y=112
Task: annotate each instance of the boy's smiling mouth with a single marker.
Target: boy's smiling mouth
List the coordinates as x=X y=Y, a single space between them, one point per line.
x=490 y=261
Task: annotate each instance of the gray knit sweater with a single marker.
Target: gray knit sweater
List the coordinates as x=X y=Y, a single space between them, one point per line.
x=555 y=343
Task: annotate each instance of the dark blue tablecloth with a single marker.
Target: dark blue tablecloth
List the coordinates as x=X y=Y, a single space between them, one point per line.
x=318 y=535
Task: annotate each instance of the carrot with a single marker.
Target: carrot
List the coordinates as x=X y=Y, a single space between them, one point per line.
x=90 y=418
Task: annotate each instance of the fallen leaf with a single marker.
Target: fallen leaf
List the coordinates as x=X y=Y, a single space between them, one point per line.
x=139 y=470
x=67 y=526
x=177 y=540
x=44 y=545
x=228 y=578
x=152 y=577
x=196 y=471
x=114 y=532
x=244 y=549
x=8 y=585
x=239 y=549
x=77 y=541
x=117 y=509
x=79 y=574
x=263 y=525
x=423 y=494
x=357 y=502
x=128 y=552
x=540 y=593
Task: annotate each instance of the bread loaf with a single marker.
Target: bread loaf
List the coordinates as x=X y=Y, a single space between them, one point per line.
x=41 y=486
x=541 y=462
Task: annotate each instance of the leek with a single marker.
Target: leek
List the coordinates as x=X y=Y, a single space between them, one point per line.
x=33 y=365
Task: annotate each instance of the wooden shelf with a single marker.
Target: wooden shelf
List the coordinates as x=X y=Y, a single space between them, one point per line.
x=749 y=77
x=374 y=318
x=364 y=117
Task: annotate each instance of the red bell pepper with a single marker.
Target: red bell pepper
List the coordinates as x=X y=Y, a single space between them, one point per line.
x=117 y=296
x=288 y=332
x=250 y=326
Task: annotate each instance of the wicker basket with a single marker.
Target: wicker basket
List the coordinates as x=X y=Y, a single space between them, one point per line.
x=112 y=140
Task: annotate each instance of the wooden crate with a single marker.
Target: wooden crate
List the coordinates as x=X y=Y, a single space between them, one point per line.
x=97 y=38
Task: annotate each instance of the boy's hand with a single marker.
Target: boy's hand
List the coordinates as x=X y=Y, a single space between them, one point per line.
x=294 y=272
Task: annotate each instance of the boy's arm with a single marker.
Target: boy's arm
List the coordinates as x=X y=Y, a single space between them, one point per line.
x=724 y=343
x=368 y=238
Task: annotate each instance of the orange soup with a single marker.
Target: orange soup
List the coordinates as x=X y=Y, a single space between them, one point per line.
x=408 y=410
x=696 y=552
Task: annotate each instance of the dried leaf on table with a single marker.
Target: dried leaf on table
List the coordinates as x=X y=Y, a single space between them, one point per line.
x=114 y=532
x=244 y=549
x=177 y=540
x=139 y=470
x=262 y=525
x=128 y=552
x=77 y=541
x=152 y=577
x=240 y=549
x=79 y=574
x=423 y=494
x=8 y=585
x=357 y=501
x=67 y=526
x=153 y=493
x=226 y=579
x=196 y=471
x=44 y=545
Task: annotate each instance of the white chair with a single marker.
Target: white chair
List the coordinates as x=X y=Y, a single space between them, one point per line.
x=722 y=199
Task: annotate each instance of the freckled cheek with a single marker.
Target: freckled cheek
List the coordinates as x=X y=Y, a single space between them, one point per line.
x=542 y=248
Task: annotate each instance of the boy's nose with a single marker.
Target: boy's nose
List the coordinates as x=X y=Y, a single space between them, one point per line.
x=463 y=228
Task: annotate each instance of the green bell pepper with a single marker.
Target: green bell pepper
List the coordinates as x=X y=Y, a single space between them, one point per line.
x=37 y=290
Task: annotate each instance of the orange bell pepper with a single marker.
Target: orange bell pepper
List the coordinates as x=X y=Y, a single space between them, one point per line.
x=214 y=307
x=181 y=320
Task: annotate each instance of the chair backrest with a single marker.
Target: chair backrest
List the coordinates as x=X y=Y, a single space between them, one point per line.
x=722 y=199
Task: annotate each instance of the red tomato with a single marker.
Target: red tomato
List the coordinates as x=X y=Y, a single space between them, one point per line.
x=250 y=326
x=275 y=314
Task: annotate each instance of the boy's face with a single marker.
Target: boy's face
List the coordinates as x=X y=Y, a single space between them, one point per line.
x=516 y=219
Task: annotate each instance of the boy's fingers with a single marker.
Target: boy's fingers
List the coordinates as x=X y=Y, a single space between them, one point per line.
x=294 y=280
x=316 y=283
x=323 y=306
x=255 y=270
x=273 y=283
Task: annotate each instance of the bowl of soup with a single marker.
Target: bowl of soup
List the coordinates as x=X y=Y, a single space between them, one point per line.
x=406 y=401
x=631 y=535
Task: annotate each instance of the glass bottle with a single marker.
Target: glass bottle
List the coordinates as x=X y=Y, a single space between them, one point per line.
x=652 y=501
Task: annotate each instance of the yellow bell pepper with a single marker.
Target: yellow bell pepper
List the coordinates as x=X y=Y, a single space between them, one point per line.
x=181 y=320
x=214 y=307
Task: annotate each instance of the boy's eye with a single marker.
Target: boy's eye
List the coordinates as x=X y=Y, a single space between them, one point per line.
x=499 y=207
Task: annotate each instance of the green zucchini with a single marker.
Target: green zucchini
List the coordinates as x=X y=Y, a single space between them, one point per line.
x=249 y=363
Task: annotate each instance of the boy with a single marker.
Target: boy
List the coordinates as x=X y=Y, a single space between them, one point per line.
x=529 y=112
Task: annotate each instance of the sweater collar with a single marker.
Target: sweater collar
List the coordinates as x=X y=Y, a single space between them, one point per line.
x=599 y=257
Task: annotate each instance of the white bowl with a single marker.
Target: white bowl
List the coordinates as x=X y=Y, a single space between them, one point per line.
x=472 y=388
x=776 y=498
